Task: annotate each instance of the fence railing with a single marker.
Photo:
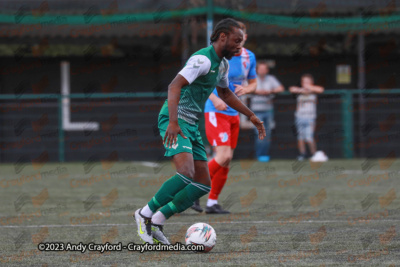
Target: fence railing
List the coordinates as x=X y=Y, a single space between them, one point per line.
x=346 y=106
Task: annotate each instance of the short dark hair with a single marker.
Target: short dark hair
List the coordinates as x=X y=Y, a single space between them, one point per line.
x=224 y=26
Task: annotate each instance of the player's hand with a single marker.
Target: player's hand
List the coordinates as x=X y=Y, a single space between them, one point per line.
x=220 y=104
x=171 y=135
x=240 y=90
x=259 y=125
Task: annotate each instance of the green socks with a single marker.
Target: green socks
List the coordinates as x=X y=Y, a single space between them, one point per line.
x=185 y=198
x=168 y=190
x=177 y=194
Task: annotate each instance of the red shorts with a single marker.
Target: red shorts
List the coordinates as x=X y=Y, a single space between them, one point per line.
x=221 y=129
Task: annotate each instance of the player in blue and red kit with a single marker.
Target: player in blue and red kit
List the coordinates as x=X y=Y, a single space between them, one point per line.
x=222 y=123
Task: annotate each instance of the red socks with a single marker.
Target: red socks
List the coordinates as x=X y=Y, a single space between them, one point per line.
x=213 y=167
x=218 y=181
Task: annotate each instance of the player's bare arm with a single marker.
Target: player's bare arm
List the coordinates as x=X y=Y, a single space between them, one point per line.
x=248 y=89
x=174 y=92
x=234 y=102
x=218 y=103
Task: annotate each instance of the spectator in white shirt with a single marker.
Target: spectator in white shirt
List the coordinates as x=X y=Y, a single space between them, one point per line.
x=305 y=114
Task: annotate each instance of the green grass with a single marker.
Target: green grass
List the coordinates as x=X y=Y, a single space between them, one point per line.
x=317 y=222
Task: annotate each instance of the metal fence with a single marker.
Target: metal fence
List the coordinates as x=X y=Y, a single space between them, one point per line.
x=32 y=126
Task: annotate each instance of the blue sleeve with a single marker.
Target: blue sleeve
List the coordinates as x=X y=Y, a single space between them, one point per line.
x=252 y=72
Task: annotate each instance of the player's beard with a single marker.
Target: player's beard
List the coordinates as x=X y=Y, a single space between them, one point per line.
x=226 y=53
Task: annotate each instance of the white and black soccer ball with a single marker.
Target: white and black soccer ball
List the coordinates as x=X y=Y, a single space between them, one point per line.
x=201 y=234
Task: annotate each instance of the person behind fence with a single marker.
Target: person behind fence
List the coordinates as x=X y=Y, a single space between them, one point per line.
x=262 y=105
x=306 y=112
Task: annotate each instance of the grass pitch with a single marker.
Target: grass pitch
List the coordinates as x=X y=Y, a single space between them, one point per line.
x=339 y=213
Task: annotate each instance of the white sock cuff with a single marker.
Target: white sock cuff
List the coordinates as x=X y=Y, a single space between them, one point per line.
x=211 y=202
x=158 y=218
x=146 y=211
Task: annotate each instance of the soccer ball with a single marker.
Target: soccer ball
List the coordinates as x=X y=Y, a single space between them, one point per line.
x=201 y=234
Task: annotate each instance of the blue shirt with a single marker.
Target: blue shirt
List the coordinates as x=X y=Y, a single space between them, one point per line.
x=241 y=68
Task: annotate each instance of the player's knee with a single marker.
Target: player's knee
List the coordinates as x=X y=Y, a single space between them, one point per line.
x=228 y=158
x=225 y=159
x=187 y=171
x=190 y=173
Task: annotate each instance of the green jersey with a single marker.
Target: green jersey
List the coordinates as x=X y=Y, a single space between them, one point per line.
x=204 y=70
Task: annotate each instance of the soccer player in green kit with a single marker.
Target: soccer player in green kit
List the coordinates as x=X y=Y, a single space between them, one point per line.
x=178 y=124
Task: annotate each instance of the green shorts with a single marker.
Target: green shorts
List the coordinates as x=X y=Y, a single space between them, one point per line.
x=193 y=144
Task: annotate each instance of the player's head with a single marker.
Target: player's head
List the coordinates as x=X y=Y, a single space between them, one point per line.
x=229 y=37
x=307 y=79
x=262 y=68
x=243 y=27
